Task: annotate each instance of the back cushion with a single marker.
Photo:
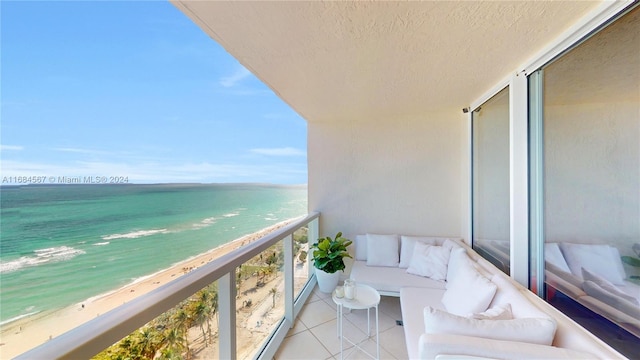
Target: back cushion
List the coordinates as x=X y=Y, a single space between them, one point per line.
x=361 y=247
x=408 y=243
x=507 y=293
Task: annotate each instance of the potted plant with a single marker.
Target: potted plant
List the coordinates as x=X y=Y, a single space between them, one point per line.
x=328 y=259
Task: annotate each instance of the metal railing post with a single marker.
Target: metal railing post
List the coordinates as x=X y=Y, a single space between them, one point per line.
x=227 y=311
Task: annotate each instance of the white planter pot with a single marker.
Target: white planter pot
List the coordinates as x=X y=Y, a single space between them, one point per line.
x=327 y=282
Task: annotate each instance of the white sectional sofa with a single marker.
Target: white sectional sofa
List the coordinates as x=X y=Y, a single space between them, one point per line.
x=593 y=275
x=456 y=304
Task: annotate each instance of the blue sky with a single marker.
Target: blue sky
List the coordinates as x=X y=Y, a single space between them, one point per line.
x=136 y=89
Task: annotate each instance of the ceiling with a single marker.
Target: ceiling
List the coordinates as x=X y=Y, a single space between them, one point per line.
x=375 y=61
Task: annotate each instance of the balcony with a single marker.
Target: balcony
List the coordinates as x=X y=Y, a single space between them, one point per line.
x=314 y=333
x=295 y=313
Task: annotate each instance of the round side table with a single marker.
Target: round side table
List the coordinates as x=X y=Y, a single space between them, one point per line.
x=366 y=298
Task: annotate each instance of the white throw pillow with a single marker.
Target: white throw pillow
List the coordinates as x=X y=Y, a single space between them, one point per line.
x=592 y=289
x=502 y=312
x=448 y=243
x=430 y=261
x=383 y=250
x=606 y=285
x=469 y=292
x=530 y=330
x=598 y=259
x=457 y=259
x=553 y=255
x=508 y=293
x=361 y=247
x=407 y=244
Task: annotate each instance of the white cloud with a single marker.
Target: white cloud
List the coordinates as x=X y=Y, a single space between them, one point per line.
x=286 y=151
x=230 y=81
x=81 y=151
x=11 y=147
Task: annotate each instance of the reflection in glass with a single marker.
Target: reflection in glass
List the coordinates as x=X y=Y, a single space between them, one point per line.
x=491 y=180
x=591 y=180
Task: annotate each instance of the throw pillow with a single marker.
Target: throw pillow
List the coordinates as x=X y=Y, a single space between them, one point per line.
x=457 y=259
x=530 y=330
x=502 y=312
x=469 y=292
x=606 y=285
x=599 y=259
x=623 y=305
x=430 y=261
x=383 y=250
x=448 y=243
x=553 y=255
x=407 y=244
x=361 y=247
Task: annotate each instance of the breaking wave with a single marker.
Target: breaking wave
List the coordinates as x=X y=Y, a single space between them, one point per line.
x=40 y=257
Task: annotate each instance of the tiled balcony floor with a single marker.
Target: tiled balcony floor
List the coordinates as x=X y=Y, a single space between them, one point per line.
x=314 y=335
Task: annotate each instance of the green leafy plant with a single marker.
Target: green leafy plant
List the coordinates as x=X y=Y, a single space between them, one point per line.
x=329 y=254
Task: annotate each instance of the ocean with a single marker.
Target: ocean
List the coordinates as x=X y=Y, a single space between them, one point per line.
x=62 y=244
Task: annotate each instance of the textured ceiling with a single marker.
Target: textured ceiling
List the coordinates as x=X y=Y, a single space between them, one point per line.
x=375 y=61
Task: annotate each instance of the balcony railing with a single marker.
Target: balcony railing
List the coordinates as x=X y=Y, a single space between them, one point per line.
x=98 y=334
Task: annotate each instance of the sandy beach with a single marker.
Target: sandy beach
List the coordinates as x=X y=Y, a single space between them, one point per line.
x=26 y=333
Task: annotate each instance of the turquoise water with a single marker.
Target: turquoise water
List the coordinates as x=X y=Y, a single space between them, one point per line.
x=60 y=245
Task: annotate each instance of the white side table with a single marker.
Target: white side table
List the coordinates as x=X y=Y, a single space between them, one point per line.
x=366 y=298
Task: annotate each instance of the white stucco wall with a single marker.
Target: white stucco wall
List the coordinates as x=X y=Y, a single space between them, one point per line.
x=406 y=176
x=592 y=174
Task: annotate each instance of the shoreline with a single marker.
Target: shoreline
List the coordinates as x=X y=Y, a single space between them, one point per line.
x=28 y=332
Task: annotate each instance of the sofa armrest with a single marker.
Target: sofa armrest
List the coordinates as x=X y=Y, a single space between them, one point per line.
x=432 y=345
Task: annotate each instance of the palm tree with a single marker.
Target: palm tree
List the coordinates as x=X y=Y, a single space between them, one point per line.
x=182 y=321
x=148 y=341
x=174 y=339
x=200 y=313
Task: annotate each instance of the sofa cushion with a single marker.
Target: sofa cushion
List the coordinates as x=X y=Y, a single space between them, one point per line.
x=603 y=260
x=607 y=286
x=430 y=261
x=383 y=250
x=390 y=279
x=432 y=345
x=531 y=330
x=412 y=302
x=500 y=312
x=507 y=293
x=361 y=247
x=468 y=292
x=408 y=243
x=623 y=304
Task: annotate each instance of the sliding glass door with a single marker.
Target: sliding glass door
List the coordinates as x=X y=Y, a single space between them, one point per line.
x=490 y=136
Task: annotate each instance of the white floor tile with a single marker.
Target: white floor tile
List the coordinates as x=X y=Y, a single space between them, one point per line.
x=327 y=333
x=316 y=313
x=302 y=346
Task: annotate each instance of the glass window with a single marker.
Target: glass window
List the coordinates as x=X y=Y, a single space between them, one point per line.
x=591 y=180
x=491 y=180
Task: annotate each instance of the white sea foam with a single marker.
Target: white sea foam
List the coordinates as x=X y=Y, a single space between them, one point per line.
x=40 y=257
x=206 y=222
x=101 y=243
x=135 y=234
x=17 y=318
x=231 y=214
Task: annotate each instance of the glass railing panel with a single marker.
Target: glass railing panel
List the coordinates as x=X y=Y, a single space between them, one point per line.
x=249 y=293
x=188 y=331
x=259 y=300
x=301 y=267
